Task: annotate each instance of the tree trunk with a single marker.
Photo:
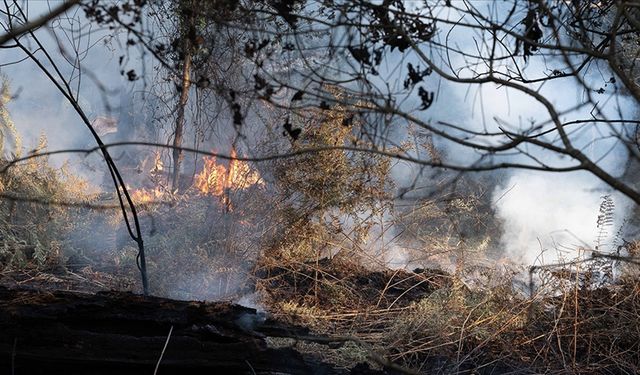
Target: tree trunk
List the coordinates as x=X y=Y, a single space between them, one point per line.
x=182 y=103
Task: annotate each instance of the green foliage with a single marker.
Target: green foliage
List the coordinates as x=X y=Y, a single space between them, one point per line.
x=336 y=179
x=605 y=219
x=328 y=195
x=32 y=225
x=8 y=131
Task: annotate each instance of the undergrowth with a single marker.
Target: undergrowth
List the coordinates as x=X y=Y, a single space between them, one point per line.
x=445 y=327
x=33 y=226
x=304 y=248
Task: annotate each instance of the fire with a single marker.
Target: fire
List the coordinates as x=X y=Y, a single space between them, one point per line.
x=158 y=165
x=211 y=179
x=241 y=176
x=215 y=178
x=144 y=196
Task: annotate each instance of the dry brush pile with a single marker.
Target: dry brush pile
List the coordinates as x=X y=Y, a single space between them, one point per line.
x=432 y=322
x=301 y=244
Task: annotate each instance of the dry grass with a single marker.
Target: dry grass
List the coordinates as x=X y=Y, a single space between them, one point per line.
x=32 y=231
x=449 y=328
x=473 y=319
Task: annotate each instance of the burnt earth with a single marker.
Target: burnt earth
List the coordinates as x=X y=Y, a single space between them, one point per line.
x=336 y=281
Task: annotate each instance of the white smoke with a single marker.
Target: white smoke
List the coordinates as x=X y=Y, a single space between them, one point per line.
x=550 y=218
x=541 y=212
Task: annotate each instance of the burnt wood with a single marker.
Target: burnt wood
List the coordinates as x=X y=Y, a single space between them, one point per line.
x=62 y=332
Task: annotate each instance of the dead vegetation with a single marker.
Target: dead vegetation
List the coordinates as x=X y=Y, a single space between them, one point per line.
x=474 y=320
x=300 y=252
x=432 y=323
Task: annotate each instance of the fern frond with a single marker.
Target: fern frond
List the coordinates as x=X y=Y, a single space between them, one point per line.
x=605 y=219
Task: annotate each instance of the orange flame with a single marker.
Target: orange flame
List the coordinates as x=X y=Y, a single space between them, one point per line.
x=158 y=165
x=211 y=179
x=216 y=178
x=144 y=196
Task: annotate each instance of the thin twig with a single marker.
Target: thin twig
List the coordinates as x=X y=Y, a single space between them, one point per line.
x=250 y=367
x=41 y=21
x=163 y=349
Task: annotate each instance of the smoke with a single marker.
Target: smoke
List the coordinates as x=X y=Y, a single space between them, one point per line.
x=550 y=218
x=544 y=217
x=89 y=63
x=553 y=214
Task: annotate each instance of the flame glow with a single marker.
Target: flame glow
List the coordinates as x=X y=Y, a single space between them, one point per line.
x=158 y=165
x=216 y=178
x=144 y=196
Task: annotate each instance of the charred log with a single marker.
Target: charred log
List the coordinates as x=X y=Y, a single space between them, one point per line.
x=109 y=332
